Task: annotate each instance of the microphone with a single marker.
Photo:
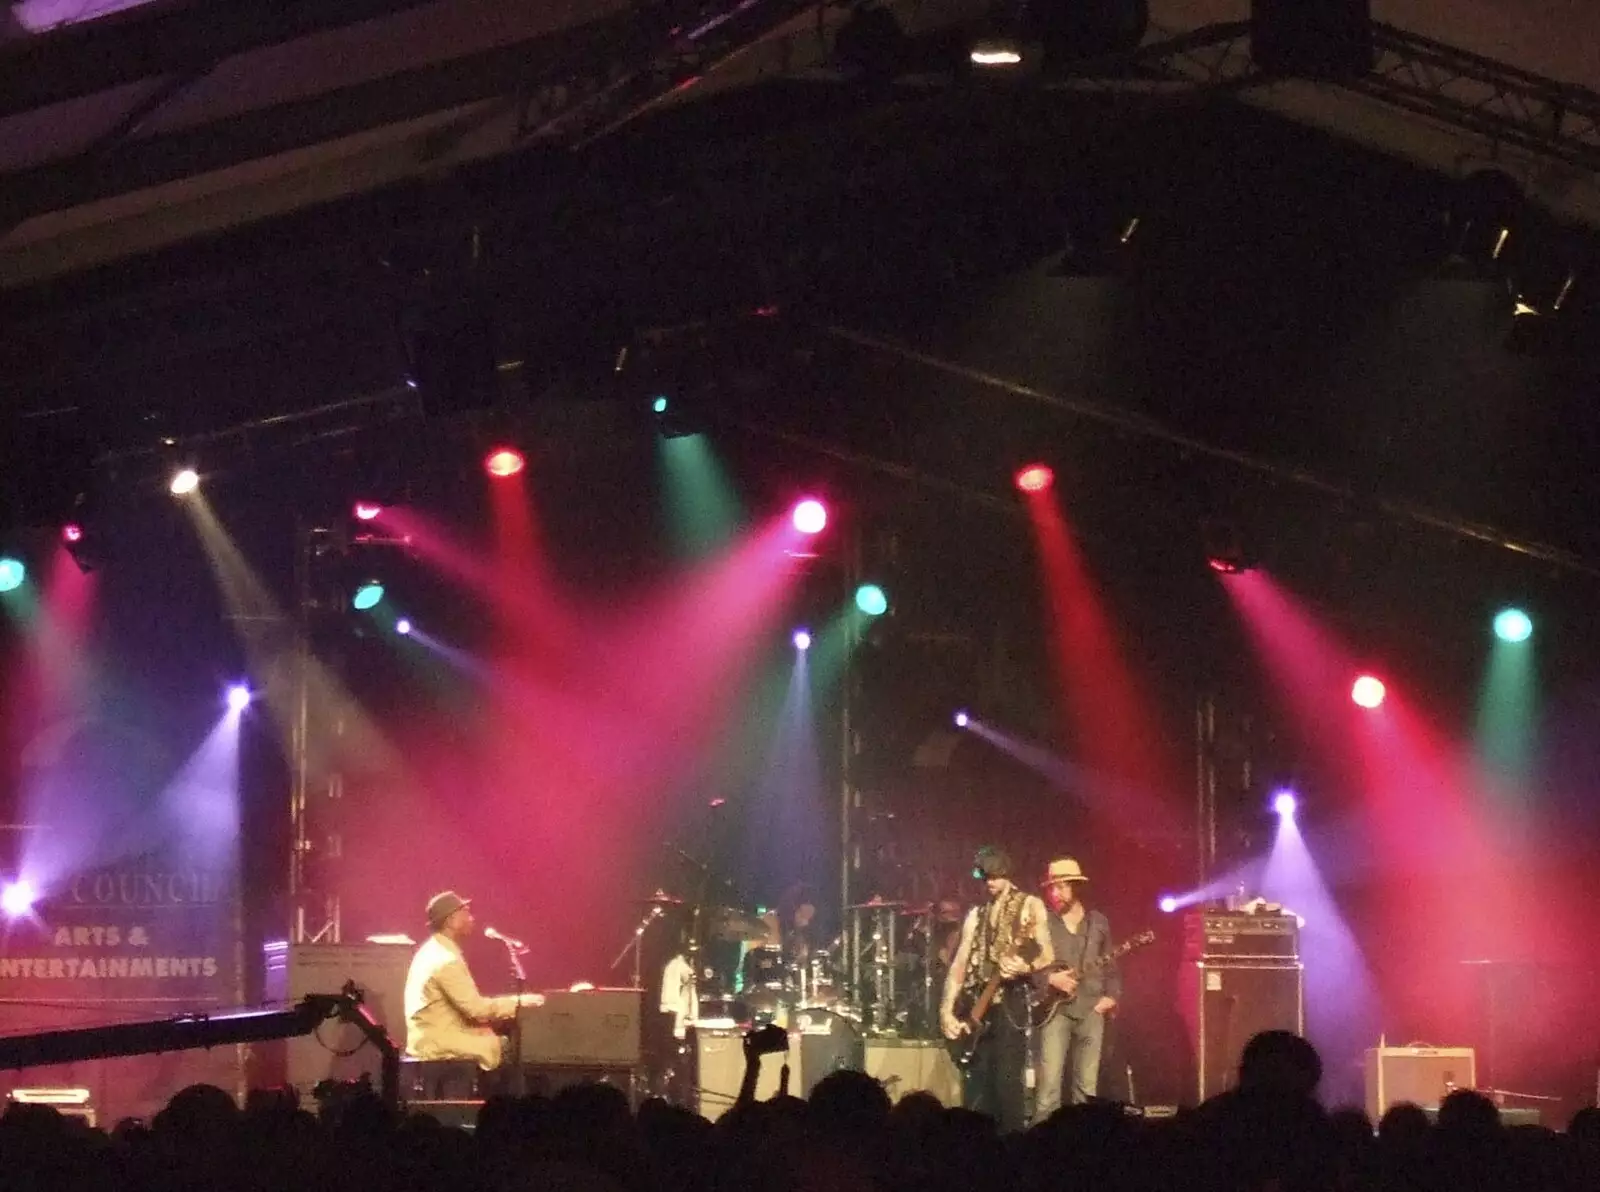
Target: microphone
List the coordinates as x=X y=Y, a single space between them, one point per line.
x=514 y=944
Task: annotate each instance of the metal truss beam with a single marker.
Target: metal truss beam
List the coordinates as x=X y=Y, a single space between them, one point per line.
x=1479 y=96
x=1491 y=99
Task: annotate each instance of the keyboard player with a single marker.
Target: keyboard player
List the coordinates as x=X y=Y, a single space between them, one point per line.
x=446 y=1017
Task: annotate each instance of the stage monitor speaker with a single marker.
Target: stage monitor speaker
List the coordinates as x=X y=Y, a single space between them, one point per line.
x=914 y=1066
x=1226 y=1005
x=719 y=1070
x=587 y=1028
x=1313 y=39
x=1416 y=1075
x=294 y=970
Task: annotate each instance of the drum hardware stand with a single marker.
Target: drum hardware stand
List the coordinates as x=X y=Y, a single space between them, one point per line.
x=635 y=945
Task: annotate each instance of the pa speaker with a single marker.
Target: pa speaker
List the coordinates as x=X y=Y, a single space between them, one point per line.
x=336 y=1050
x=1314 y=39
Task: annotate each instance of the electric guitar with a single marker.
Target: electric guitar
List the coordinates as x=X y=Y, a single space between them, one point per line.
x=974 y=1012
x=1047 y=999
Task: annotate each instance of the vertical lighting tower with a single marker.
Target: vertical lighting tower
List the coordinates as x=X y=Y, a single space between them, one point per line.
x=316 y=788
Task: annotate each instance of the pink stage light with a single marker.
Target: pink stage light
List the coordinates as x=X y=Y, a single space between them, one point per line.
x=17 y=899
x=1168 y=904
x=503 y=462
x=238 y=697
x=1368 y=691
x=72 y=532
x=367 y=510
x=1035 y=478
x=962 y=719
x=1285 y=803
x=810 y=516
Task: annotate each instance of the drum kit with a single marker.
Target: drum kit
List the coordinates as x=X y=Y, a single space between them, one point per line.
x=883 y=974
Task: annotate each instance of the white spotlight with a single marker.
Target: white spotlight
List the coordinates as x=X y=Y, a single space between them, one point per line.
x=184 y=481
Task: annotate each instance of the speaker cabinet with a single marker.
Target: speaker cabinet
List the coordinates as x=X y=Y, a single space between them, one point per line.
x=1416 y=1075
x=294 y=970
x=1226 y=1005
x=914 y=1066
x=1313 y=39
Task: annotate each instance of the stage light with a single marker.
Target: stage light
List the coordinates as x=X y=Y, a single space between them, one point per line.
x=659 y=405
x=17 y=899
x=402 y=627
x=995 y=52
x=504 y=461
x=71 y=532
x=870 y=599
x=12 y=573
x=367 y=595
x=1513 y=625
x=1368 y=691
x=238 y=697
x=184 y=481
x=962 y=719
x=1168 y=904
x=802 y=640
x=367 y=510
x=1284 y=803
x=1035 y=478
x=810 y=516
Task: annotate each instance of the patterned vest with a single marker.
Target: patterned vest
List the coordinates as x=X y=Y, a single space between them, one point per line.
x=996 y=936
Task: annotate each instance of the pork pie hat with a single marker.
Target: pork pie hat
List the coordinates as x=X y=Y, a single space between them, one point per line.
x=442 y=905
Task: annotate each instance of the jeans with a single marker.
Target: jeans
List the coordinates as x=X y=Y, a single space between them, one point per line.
x=993 y=1082
x=1068 y=1045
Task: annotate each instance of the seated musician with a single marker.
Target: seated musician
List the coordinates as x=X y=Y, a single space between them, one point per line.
x=446 y=1017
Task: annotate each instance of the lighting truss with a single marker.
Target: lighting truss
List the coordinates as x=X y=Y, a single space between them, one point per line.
x=615 y=88
x=1462 y=90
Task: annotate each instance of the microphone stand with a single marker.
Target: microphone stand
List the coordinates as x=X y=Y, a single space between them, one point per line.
x=519 y=982
x=636 y=946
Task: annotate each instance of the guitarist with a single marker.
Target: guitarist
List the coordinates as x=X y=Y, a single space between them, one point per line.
x=1070 y=1041
x=1003 y=941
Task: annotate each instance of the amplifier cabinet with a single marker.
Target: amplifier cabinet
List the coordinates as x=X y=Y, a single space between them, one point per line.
x=589 y=1028
x=914 y=1066
x=1415 y=1075
x=294 y=970
x=1222 y=935
x=1225 y=1005
x=719 y=1070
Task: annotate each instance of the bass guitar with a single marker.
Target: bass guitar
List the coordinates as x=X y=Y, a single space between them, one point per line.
x=1047 y=999
x=974 y=1011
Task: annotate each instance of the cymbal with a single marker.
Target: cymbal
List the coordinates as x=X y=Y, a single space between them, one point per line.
x=662 y=898
x=733 y=926
x=876 y=903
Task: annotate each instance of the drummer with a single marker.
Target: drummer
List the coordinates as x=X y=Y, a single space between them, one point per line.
x=798 y=911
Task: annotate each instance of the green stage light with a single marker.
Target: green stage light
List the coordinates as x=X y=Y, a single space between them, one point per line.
x=1513 y=625
x=872 y=600
x=367 y=595
x=12 y=573
x=659 y=405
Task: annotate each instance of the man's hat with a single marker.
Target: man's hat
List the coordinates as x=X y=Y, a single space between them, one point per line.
x=442 y=906
x=991 y=862
x=1065 y=869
